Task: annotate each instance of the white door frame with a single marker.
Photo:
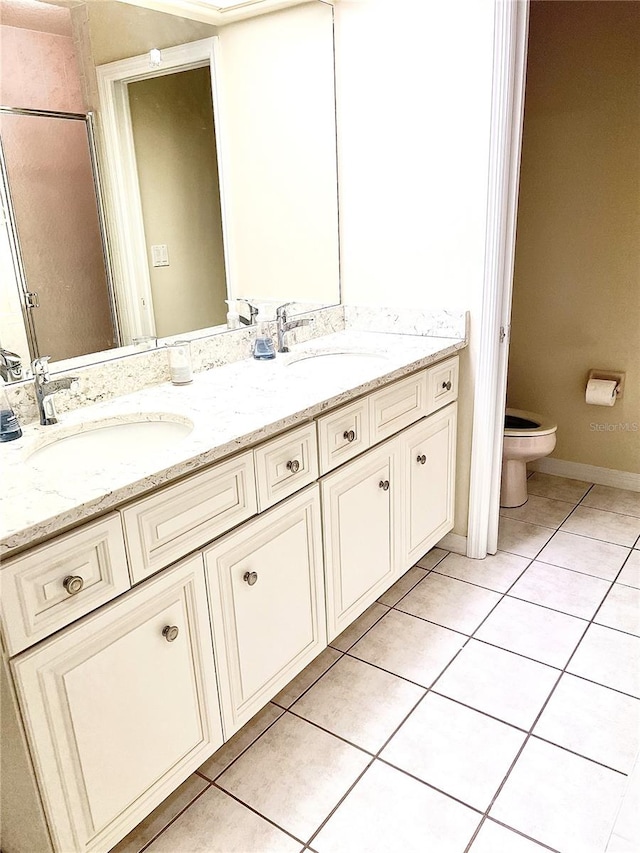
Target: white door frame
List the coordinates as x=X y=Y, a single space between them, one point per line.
x=132 y=282
x=507 y=112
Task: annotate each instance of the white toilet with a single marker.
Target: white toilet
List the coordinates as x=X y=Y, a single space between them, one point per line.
x=527 y=436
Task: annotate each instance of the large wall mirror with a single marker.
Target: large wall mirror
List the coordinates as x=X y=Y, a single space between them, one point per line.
x=155 y=166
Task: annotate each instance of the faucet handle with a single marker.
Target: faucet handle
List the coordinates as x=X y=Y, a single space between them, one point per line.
x=253 y=312
x=281 y=311
x=40 y=367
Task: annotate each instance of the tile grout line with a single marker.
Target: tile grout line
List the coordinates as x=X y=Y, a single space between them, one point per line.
x=333 y=734
x=315 y=681
x=579 y=754
x=530 y=733
x=563 y=500
x=604 y=686
x=577 y=571
x=429 y=785
x=175 y=818
x=240 y=754
x=509 y=594
x=256 y=812
x=517 y=832
x=344 y=651
x=373 y=759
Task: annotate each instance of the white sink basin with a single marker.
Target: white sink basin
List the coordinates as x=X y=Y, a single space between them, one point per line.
x=322 y=362
x=100 y=444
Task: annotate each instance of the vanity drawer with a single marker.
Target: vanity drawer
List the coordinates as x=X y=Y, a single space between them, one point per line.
x=397 y=406
x=38 y=594
x=286 y=464
x=343 y=434
x=171 y=523
x=442 y=384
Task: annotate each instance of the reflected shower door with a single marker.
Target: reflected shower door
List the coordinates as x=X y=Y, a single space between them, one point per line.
x=55 y=210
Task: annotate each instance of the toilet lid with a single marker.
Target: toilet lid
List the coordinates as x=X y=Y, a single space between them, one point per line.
x=543 y=426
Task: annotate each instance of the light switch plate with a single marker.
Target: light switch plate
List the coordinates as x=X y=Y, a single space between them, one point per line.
x=160 y=255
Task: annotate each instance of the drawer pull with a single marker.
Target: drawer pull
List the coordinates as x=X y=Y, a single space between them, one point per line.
x=422 y=459
x=349 y=435
x=250 y=577
x=447 y=385
x=170 y=632
x=73 y=584
x=384 y=485
x=294 y=466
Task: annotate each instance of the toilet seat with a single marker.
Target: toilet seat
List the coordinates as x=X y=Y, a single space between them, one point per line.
x=545 y=426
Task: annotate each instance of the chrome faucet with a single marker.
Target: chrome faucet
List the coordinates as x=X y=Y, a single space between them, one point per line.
x=45 y=388
x=253 y=313
x=10 y=366
x=285 y=325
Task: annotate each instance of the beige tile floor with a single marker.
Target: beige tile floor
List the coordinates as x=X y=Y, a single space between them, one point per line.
x=484 y=706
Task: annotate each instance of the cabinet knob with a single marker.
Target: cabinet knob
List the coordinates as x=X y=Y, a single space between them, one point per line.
x=294 y=466
x=250 y=578
x=447 y=385
x=421 y=459
x=170 y=632
x=349 y=435
x=384 y=485
x=73 y=584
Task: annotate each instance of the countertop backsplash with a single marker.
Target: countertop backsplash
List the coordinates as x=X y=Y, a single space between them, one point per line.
x=116 y=377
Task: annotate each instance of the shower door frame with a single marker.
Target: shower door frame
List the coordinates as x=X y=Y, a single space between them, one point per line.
x=20 y=278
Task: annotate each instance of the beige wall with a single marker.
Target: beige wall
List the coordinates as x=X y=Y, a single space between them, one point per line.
x=119 y=30
x=278 y=143
x=413 y=114
x=172 y=120
x=106 y=31
x=576 y=298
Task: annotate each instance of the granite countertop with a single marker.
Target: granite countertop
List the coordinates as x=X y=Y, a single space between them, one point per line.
x=231 y=407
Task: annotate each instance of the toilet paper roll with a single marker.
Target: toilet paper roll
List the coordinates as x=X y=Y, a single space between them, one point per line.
x=601 y=392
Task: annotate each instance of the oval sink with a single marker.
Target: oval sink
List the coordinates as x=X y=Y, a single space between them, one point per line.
x=100 y=444
x=316 y=362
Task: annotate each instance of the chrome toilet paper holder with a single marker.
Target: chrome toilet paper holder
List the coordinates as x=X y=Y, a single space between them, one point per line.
x=617 y=376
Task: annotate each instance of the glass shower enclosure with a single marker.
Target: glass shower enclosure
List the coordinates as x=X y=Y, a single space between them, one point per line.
x=56 y=233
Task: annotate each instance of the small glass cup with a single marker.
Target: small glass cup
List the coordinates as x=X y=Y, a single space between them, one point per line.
x=180 y=362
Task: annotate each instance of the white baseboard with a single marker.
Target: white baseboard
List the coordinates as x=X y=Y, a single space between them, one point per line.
x=588 y=473
x=453 y=542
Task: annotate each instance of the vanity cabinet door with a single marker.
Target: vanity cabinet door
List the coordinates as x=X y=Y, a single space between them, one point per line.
x=266 y=592
x=120 y=708
x=361 y=524
x=428 y=462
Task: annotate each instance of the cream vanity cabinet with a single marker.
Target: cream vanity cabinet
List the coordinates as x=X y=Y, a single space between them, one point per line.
x=361 y=533
x=121 y=707
x=428 y=454
x=386 y=508
x=240 y=573
x=266 y=591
